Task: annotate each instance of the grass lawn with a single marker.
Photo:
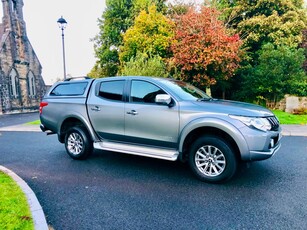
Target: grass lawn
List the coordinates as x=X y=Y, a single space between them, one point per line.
x=14 y=209
x=288 y=118
x=37 y=122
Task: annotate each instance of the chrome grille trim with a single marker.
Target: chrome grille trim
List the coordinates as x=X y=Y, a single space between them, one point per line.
x=274 y=122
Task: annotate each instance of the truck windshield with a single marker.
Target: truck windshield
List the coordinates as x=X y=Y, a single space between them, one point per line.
x=186 y=91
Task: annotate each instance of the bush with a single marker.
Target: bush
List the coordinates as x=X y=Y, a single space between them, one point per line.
x=300 y=111
x=141 y=65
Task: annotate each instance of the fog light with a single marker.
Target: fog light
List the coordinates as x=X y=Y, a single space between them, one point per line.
x=272 y=143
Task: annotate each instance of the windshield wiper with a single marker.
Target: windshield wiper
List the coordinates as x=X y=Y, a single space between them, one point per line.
x=204 y=99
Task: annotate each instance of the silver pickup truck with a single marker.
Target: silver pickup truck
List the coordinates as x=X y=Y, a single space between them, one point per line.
x=159 y=118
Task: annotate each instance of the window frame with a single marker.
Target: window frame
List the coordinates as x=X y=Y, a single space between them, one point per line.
x=31 y=83
x=68 y=84
x=14 y=84
x=112 y=81
x=143 y=102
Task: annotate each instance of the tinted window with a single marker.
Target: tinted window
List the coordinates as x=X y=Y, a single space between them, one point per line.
x=186 y=91
x=142 y=91
x=69 y=89
x=112 y=90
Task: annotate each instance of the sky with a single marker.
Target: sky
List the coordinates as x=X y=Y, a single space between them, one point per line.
x=45 y=35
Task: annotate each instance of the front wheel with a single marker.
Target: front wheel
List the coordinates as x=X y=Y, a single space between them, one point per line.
x=212 y=159
x=78 y=143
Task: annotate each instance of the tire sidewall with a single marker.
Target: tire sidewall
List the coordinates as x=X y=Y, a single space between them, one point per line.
x=224 y=147
x=87 y=147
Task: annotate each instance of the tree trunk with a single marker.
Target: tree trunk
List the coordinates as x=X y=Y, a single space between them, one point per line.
x=208 y=91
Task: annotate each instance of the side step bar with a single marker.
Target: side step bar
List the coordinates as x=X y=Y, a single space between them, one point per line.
x=165 y=154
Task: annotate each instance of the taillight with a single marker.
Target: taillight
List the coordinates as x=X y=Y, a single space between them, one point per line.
x=41 y=106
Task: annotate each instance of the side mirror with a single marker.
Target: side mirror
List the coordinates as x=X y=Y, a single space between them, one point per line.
x=163 y=99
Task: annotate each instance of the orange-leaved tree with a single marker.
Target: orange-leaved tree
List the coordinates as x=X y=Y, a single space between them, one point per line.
x=203 y=51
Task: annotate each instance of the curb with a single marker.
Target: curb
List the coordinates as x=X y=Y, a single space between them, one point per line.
x=38 y=215
x=23 y=127
x=294 y=130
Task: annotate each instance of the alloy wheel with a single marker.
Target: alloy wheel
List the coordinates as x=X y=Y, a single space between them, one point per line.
x=210 y=161
x=75 y=143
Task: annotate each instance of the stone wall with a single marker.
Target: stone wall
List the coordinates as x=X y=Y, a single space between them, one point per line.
x=291 y=103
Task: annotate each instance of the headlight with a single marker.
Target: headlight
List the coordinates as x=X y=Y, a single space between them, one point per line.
x=254 y=122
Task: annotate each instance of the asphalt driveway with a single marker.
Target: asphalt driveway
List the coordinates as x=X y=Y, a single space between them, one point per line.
x=117 y=191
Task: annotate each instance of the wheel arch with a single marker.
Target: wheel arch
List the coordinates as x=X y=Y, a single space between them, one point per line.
x=217 y=128
x=72 y=121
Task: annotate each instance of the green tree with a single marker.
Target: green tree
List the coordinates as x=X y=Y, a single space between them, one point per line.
x=277 y=73
x=142 y=65
x=116 y=19
x=139 y=5
x=303 y=45
x=151 y=34
x=279 y=22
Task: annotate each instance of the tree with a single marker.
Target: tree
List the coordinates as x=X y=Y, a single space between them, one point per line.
x=203 y=51
x=116 y=19
x=141 y=65
x=303 y=45
x=151 y=34
x=266 y=21
x=278 y=22
x=277 y=73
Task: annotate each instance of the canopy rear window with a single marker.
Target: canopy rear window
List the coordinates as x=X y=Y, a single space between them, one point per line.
x=69 y=89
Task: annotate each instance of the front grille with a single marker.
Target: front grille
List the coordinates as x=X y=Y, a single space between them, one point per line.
x=274 y=123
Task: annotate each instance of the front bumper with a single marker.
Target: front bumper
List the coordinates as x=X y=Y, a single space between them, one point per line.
x=261 y=145
x=262 y=155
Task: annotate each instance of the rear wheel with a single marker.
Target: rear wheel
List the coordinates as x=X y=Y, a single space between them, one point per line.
x=212 y=159
x=78 y=144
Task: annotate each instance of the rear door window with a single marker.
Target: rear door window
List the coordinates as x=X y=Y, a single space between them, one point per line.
x=112 y=90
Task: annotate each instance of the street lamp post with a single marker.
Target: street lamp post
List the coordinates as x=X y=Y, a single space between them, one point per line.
x=62 y=25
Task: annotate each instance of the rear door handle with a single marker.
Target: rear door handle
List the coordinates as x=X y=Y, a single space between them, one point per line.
x=133 y=112
x=96 y=108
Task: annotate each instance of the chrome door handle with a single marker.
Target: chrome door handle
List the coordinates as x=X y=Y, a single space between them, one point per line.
x=96 y=108
x=133 y=112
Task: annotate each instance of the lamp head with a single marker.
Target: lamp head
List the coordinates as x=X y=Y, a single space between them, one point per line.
x=62 y=23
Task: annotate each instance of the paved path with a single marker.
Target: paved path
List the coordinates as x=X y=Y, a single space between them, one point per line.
x=294 y=130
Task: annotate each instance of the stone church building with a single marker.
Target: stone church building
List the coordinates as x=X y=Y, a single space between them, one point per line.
x=21 y=82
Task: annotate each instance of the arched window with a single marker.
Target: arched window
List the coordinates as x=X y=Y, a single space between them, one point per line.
x=14 y=6
x=31 y=84
x=14 y=83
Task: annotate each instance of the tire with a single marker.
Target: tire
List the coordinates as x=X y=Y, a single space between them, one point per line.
x=78 y=144
x=212 y=160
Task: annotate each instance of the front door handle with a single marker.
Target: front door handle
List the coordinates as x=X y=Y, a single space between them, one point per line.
x=133 y=112
x=96 y=108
